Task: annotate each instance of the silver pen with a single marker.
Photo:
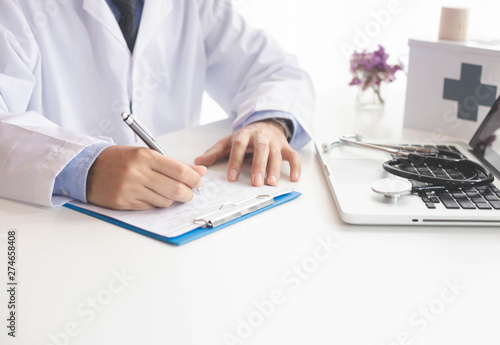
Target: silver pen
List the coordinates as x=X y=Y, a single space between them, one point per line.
x=143 y=133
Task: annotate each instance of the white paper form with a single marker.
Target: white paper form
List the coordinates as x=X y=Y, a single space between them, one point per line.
x=179 y=218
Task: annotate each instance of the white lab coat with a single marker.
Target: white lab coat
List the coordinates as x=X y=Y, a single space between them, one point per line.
x=66 y=74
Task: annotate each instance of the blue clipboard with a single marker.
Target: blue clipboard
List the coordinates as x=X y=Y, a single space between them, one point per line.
x=193 y=234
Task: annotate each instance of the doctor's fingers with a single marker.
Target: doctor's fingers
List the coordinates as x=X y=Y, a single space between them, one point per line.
x=178 y=171
x=149 y=189
x=239 y=146
x=123 y=193
x=293 y=159
x=146 y=190
x=260 y=160
x=166 y=189
x=276 y=153
x=145 y=200
x=274 y=166
x=218 y=151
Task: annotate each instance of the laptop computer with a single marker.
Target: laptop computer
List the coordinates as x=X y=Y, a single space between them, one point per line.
x=351 y=170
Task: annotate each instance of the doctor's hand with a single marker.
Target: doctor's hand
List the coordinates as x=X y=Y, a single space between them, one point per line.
x=267 y=141
x=134 y=178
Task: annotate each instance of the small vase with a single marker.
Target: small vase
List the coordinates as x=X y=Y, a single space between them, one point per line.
x=370 y=99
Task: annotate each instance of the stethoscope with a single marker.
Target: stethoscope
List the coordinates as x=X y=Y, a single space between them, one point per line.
x=472 y=173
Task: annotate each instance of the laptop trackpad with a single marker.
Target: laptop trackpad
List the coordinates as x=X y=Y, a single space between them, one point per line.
x=357 y=170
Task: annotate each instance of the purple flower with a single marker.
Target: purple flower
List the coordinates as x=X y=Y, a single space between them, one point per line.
x=370 y=69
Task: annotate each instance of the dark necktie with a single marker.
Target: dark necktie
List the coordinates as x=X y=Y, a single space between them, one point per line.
x=127 y=21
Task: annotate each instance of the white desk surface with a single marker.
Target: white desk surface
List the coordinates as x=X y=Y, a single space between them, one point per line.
x=381 y=285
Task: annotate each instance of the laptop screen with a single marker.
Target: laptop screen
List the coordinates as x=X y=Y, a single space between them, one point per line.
x=486 y=140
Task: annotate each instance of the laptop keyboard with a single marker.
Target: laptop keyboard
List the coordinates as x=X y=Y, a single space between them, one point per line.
x=470 y=198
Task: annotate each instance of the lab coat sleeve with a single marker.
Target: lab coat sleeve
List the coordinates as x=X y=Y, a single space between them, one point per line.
x=33 y=150
x=248 y=71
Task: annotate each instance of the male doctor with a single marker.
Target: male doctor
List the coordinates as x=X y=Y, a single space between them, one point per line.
x=68 y=68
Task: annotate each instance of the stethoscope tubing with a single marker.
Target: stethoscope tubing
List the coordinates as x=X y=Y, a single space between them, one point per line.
x=471 y=169
x=474 y=174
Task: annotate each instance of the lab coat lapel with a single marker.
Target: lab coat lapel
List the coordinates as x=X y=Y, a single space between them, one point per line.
x=153 y=14
x=100 y=10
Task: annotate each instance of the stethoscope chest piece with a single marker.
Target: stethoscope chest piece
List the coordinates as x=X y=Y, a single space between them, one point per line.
x=392 y=187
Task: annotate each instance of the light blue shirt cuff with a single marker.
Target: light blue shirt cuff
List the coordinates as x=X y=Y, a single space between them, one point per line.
x=299 y=136
x=72 y=180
